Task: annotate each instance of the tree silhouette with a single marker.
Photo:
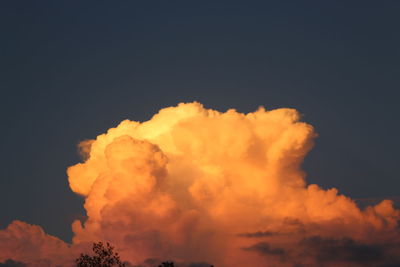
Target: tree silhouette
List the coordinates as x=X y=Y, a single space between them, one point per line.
x=170 y=264
x=167 y=264
x=104 y=257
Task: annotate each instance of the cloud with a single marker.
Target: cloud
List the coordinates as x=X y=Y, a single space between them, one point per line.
x=266 y=249
x=29 y=244
x=258 y=234
x=198 y=185
x=342 y=250
x=321 y=251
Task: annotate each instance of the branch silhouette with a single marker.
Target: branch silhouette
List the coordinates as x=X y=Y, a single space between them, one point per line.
x=104 y=257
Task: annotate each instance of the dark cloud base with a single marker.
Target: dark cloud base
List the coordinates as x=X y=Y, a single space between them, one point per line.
x=331 y=252
x=11 y=263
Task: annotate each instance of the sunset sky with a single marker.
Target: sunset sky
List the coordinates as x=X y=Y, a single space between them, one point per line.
x=327 y=73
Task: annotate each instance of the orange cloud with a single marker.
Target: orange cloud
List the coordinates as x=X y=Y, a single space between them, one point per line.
x=194 y=184
x=29 y=244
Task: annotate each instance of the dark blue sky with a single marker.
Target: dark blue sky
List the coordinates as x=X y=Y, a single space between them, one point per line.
x=72 y=69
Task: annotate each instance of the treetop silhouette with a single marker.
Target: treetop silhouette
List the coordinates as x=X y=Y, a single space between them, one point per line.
x=104 y=257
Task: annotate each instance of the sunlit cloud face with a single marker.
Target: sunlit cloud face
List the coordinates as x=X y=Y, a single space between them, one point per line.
x=198 y=185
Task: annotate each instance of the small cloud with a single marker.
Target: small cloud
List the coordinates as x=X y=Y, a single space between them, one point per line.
x=258 y=234
x=265 y=249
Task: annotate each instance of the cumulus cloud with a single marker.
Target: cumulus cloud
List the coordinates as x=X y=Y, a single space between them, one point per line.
x=197 y=185
x=24 y=243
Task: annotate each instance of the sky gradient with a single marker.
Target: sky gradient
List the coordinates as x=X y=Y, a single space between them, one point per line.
x=71 y=70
